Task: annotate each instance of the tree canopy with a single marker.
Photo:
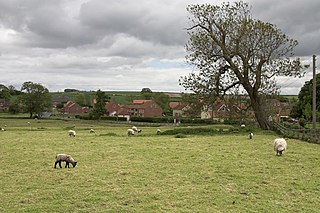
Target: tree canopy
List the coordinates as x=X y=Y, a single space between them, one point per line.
x=234 y=52
x=99 y=109
x=35 y=98
x=303 y=108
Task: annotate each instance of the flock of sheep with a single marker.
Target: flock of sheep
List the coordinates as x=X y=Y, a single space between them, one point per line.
x=279 y=145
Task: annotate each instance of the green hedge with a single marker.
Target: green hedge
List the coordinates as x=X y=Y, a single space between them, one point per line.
x=108 y=118
x=197 y=131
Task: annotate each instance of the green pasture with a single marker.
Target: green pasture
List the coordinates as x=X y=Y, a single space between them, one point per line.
x=150 y=172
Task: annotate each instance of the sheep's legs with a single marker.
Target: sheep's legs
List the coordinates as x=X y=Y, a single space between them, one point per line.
x=67 y=165
x=55 y=165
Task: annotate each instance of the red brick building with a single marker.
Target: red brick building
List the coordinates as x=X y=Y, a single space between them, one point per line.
x=73 y=108
x=141 y=108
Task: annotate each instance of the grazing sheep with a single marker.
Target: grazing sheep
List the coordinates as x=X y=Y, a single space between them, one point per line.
x=280 y=145
x=250 y=135
x=135 y=129
x=92 y=131
x=72 y=133
x=130 y=132
x=243 y=125
x=2 y=129
x=158 y=131
x=64 y=157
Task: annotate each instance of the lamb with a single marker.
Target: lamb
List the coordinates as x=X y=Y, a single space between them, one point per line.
x=130 y=132
x=250 y=135
x=158 y=131
x=280 y=145
x=92 y=131
x=64 y=157
x=135 y=129
x=72 y=133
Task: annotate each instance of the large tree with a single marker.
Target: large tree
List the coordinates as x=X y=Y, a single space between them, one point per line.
x=303 y=108
x=99 y=109
x=35 y=98
x=233 y=51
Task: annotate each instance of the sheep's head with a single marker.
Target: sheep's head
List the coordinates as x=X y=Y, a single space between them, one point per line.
x=281 y=149
x=74 y=164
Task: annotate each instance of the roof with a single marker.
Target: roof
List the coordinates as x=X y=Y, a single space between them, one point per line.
x=141 y=101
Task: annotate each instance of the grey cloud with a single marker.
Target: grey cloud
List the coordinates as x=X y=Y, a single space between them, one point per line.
x=298 y=19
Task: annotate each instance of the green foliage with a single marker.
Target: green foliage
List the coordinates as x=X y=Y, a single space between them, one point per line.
x=36 y=98
x=198 y=131
x=179 y=135
x=253 y=53
x=99 y=109
x=303 y=108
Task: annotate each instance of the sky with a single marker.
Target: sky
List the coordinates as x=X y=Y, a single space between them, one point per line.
x=125 y=45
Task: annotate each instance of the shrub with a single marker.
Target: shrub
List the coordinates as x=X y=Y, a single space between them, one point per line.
x=180 y=135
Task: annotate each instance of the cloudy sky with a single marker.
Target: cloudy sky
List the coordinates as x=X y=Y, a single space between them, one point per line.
x=124 y=44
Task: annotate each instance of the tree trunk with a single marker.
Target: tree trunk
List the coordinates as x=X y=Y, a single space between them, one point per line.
x=259 y=113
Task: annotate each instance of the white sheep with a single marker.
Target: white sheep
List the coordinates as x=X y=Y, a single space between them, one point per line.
x=280 y=145
x=250 y=135
x=130 y=132
x=66 y=158
x=243 y=125
x=135 y=129
x=2 y=129
x=158 y=131
x=72 y=133
x=92 y=131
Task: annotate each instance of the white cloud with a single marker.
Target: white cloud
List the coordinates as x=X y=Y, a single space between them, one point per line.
x=124 y=44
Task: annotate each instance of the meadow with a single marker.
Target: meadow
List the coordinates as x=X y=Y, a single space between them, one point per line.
x=152 y=173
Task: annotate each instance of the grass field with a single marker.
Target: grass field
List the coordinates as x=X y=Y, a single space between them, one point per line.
x=152 y=173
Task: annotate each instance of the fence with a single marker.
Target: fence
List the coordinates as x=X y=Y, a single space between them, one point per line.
x=308 y=135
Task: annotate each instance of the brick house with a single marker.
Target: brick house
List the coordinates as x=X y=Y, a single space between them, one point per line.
x=113 y=108
x=141 y=108
x=4 y=105
x=73 y=108
x=179 y=109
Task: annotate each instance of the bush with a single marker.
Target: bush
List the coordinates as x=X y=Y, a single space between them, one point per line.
x=180 y=135
x=302 y=122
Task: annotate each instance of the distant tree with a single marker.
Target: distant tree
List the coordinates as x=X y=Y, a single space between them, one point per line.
x=147 y=93
x=36 y=98
x=99 y=109
x=4 y=92
x=163 y=100
x=303 y=108
x=230 y=49
x=146 y=90
x=71 y=90
x=195 y=105
x=15 y=106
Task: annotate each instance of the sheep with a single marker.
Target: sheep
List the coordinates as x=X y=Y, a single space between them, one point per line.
x=243 y=125
x=2 y=129
x=130 y=132
x=72 y=133
x=64 y=157
x=92 y=131
x=134 y=129
x=250 y=135
x=279 y=145
x=158 y=131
